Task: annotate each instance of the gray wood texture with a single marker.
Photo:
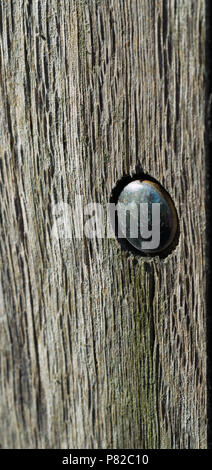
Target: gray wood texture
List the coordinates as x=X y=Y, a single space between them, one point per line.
x=100 y=348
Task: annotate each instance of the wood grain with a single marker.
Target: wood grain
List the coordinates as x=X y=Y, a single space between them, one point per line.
x=100 y=348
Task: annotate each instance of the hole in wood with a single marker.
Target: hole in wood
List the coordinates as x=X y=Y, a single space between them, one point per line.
x=143 y=216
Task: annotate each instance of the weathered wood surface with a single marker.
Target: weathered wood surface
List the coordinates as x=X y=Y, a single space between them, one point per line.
x=100 y=348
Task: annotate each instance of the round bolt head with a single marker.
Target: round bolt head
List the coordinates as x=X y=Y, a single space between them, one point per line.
x=147 y=217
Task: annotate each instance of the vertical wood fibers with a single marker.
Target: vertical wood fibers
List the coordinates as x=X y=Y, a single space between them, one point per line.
x=100 y=348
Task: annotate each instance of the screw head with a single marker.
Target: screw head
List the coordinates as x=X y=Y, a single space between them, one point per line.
x=147 y=217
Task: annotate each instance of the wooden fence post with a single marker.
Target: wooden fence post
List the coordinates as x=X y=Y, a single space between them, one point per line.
x=100 y=348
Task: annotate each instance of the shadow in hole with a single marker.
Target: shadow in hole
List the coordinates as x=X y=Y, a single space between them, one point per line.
x=125 y=244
